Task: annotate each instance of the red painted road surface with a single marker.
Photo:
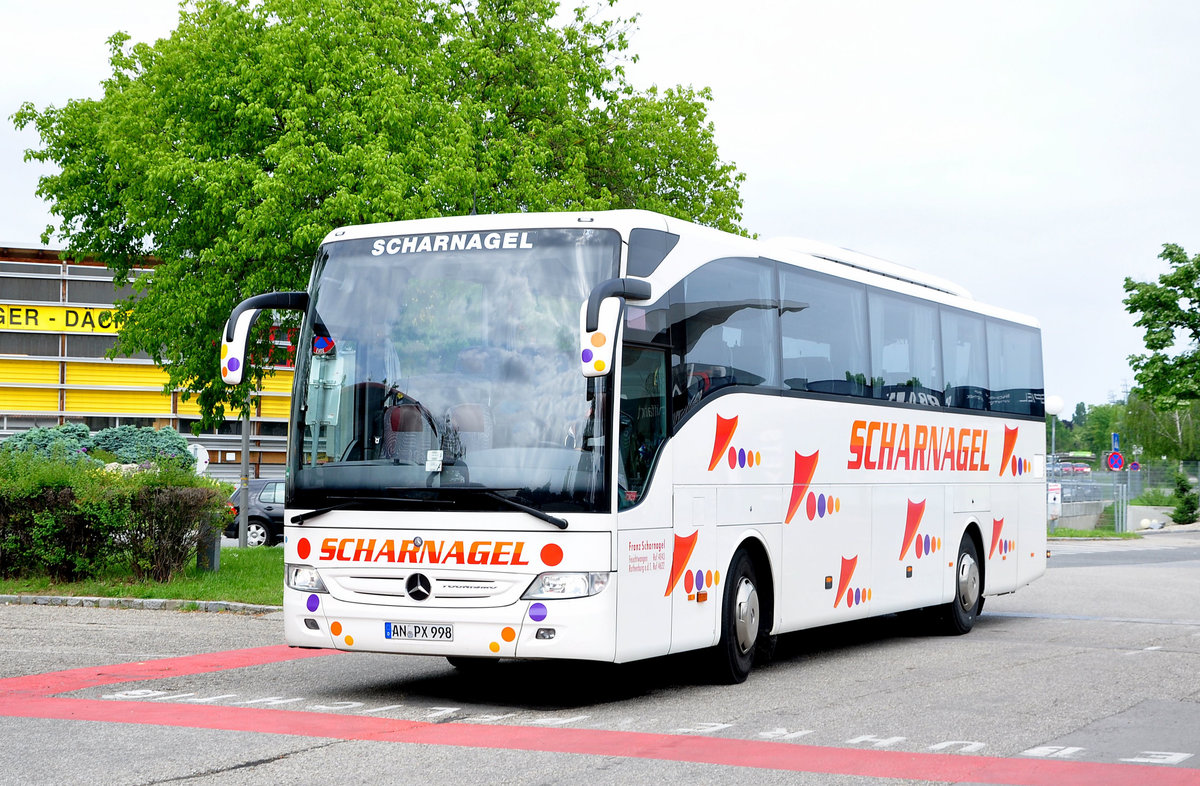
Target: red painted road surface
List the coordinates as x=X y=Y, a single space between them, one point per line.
x=38 y=696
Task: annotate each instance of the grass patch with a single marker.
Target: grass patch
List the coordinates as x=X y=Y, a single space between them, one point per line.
x=251 y=575
x=1063 y=532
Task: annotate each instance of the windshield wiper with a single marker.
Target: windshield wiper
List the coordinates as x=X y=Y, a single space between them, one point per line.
x=537 y=514
x=300 y=518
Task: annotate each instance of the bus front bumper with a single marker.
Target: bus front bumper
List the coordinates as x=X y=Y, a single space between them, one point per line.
x=574 y=628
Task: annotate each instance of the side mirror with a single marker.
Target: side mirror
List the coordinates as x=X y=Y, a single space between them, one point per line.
x=600 y=319
x=237 y=329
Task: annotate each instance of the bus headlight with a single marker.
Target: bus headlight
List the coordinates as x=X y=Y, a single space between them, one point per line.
x=549 y=586
x=305 y=579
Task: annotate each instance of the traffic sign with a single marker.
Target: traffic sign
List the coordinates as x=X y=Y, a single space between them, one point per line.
x=1116 y=442
x=1115 y=460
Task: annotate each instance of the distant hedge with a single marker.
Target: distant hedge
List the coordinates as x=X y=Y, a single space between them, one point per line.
x=125 y=444
x=66 y=517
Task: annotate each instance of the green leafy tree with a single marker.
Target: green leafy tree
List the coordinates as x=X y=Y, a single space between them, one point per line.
x=230 y=149
x=1170 y=315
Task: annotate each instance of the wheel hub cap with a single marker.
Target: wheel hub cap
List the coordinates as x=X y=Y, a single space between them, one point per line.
x=746 y=615
x=968 y=582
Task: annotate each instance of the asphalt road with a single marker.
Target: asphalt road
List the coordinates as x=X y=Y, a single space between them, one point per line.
x=1091 y=675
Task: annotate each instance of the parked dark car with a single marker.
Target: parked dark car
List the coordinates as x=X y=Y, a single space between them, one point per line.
x=264 y=519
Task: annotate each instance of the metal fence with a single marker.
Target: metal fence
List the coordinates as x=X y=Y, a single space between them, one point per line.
x=1086 y=495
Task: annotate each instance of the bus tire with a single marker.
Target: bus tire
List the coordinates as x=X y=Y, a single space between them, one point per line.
x=742 y=626
x=958 y=616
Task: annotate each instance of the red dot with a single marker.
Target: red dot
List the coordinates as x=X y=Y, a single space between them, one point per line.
x=689 y=581
x=811 y=506
x=552 y=554
x=303 y=549
x=733 y=458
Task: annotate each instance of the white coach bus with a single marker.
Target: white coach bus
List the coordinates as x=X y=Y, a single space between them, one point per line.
x=612 y=436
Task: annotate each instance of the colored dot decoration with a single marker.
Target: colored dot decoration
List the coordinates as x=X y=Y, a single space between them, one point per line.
x=349 y=641
x=857 y=596
x=552 y=554
x=494 y=646
x=508 y=634
x=336 y=629
x=597 y=340
x=740 y=458
x=537 y=612
x=699 y=580
x=927 y=545
x=303 y=548
x=232 y=364
x=818 y=506
x=314 y=602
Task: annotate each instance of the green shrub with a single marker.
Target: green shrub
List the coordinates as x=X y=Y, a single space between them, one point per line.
x=70 y=441
x=171 y=511
x=1154 y=498
x=140 y=445
x=1186 y=501
x=49 y=522
x=71 y=519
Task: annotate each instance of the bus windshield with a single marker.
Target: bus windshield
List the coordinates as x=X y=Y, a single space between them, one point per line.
x=442 y=369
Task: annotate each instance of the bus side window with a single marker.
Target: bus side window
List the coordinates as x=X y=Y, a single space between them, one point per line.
x=643 y=424
x=824 y=325
x=725 y=327
x=1015 y=369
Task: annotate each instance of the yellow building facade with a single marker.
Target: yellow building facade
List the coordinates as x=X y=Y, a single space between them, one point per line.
x=55 y=330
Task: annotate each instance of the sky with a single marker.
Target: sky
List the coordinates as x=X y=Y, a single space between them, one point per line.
x=1036 y=153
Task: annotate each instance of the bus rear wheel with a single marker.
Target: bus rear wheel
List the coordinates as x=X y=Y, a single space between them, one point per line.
x=958 y=616
x=742 y=627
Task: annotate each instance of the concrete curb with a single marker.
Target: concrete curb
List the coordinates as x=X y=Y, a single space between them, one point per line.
x=138 y=603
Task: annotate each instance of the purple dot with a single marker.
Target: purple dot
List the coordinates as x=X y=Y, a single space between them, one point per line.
x=857 y=596
x=1020 y=466
x=313 y=602
x=821 y=506
x=699 y=580
x=927 y=551
x=537 y=612
x=233 y=364
x=587 y=356
x=741 y=458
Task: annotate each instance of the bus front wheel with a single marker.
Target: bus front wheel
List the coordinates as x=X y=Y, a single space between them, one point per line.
x=958 y=616
x=741 y=622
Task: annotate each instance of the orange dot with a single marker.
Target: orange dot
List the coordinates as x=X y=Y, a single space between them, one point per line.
x=598 y=339
x=336 y=629
x=708 y=578
x=551 y=554
x=600 y=366
x=349 y=641
x=224 y=371
x=494 y=646
x=508 y=634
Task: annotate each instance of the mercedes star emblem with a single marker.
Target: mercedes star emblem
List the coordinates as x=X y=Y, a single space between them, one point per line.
x=418 y=586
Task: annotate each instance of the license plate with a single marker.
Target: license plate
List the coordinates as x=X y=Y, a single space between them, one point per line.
x=413 y=631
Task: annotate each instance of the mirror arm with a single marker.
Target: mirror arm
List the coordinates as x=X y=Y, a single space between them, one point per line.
x=295 y=301
x=628 y=288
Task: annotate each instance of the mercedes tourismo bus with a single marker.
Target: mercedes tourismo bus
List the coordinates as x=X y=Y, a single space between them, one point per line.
x=612 y=436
